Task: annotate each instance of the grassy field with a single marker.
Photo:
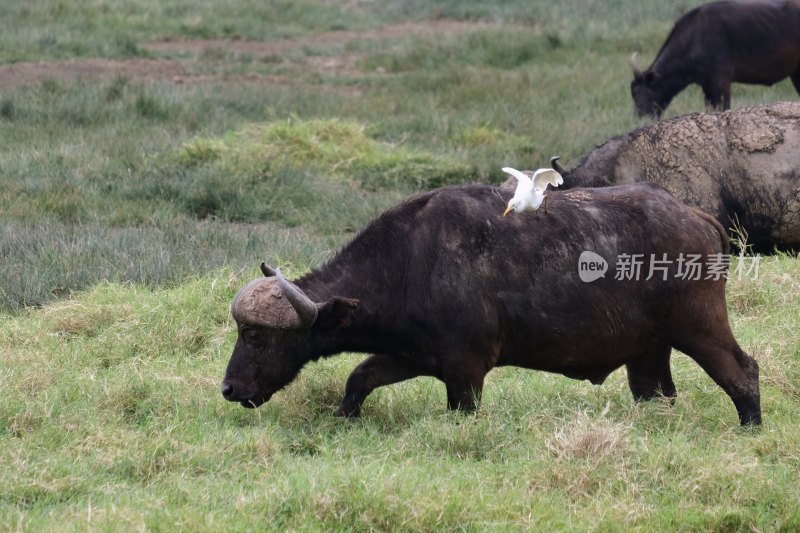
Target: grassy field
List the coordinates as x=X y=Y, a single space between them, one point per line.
x=152 y=153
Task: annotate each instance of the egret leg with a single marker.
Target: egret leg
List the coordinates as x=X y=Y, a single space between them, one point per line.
x=545 y=203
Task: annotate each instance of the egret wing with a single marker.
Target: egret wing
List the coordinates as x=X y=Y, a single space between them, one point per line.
x=546 y=176
x=522 y=178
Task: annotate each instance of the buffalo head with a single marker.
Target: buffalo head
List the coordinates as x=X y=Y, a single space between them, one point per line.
x=647 y=92
x=280 y=329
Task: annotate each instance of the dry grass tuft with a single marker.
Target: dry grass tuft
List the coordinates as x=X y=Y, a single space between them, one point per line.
x=590 y=454
x=588 y=439
x=23 y=423
x=35 y=381
x=73 y=318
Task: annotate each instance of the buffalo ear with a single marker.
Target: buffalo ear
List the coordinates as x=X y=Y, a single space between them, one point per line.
x=336 y=312
x=651 y=77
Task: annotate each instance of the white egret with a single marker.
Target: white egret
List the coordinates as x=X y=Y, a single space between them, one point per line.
x=530 y=191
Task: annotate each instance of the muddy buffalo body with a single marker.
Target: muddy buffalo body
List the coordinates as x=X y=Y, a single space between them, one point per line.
x=741 y=166
x=755 y=41
x=442 y=285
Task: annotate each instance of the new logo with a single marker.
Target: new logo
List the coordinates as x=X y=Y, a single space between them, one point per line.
x=591 y=266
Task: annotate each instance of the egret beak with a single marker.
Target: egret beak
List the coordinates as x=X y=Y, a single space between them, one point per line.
x=508 y=210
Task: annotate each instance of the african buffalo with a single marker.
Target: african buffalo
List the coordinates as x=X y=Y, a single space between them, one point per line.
x=442 y=285
x=716 y=44
x=742 y=166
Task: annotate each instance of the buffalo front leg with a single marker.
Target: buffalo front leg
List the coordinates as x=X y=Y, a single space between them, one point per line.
x=717 y=95
x=796 y=79
x=376 y=371
x=650 y=375
x=464 y=389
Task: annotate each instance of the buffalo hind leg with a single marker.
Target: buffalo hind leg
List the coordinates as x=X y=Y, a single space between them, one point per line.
x=375 y=371
x=464 y=389
x=650 y=375
x=733 y=370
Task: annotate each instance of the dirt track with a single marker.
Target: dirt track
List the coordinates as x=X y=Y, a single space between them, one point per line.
x=18 y=74
x=166 y=69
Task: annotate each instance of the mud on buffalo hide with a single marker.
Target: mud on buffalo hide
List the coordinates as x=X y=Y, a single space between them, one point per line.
x=740 y=165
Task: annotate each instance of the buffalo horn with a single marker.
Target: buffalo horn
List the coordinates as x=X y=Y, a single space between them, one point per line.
x=267 y=270
x=302 y=304
x=636 y=70
x=555 y=165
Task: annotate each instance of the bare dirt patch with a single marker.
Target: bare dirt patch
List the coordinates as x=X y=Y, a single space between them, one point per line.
x=333 y=38
x=139 y=70
x=203 y=51
x=30 y=73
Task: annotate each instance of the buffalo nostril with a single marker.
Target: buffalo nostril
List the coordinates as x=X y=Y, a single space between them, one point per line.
x=227 y=389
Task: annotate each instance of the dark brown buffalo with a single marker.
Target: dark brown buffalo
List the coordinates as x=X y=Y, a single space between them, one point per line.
x=442 y=285
x=719 y=43
x=742 y=166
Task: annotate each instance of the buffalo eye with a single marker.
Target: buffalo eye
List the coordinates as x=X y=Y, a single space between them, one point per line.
x=253 y=337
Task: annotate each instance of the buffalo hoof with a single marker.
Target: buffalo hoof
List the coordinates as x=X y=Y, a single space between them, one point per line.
x=348 y=412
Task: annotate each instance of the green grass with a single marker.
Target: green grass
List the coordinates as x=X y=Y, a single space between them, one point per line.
x=335 y=149
x=132 y=209
x=112 y=418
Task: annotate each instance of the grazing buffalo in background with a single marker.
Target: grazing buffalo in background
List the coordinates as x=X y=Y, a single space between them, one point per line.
x=741 y=165
x=442 y=285
x=718 y=43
